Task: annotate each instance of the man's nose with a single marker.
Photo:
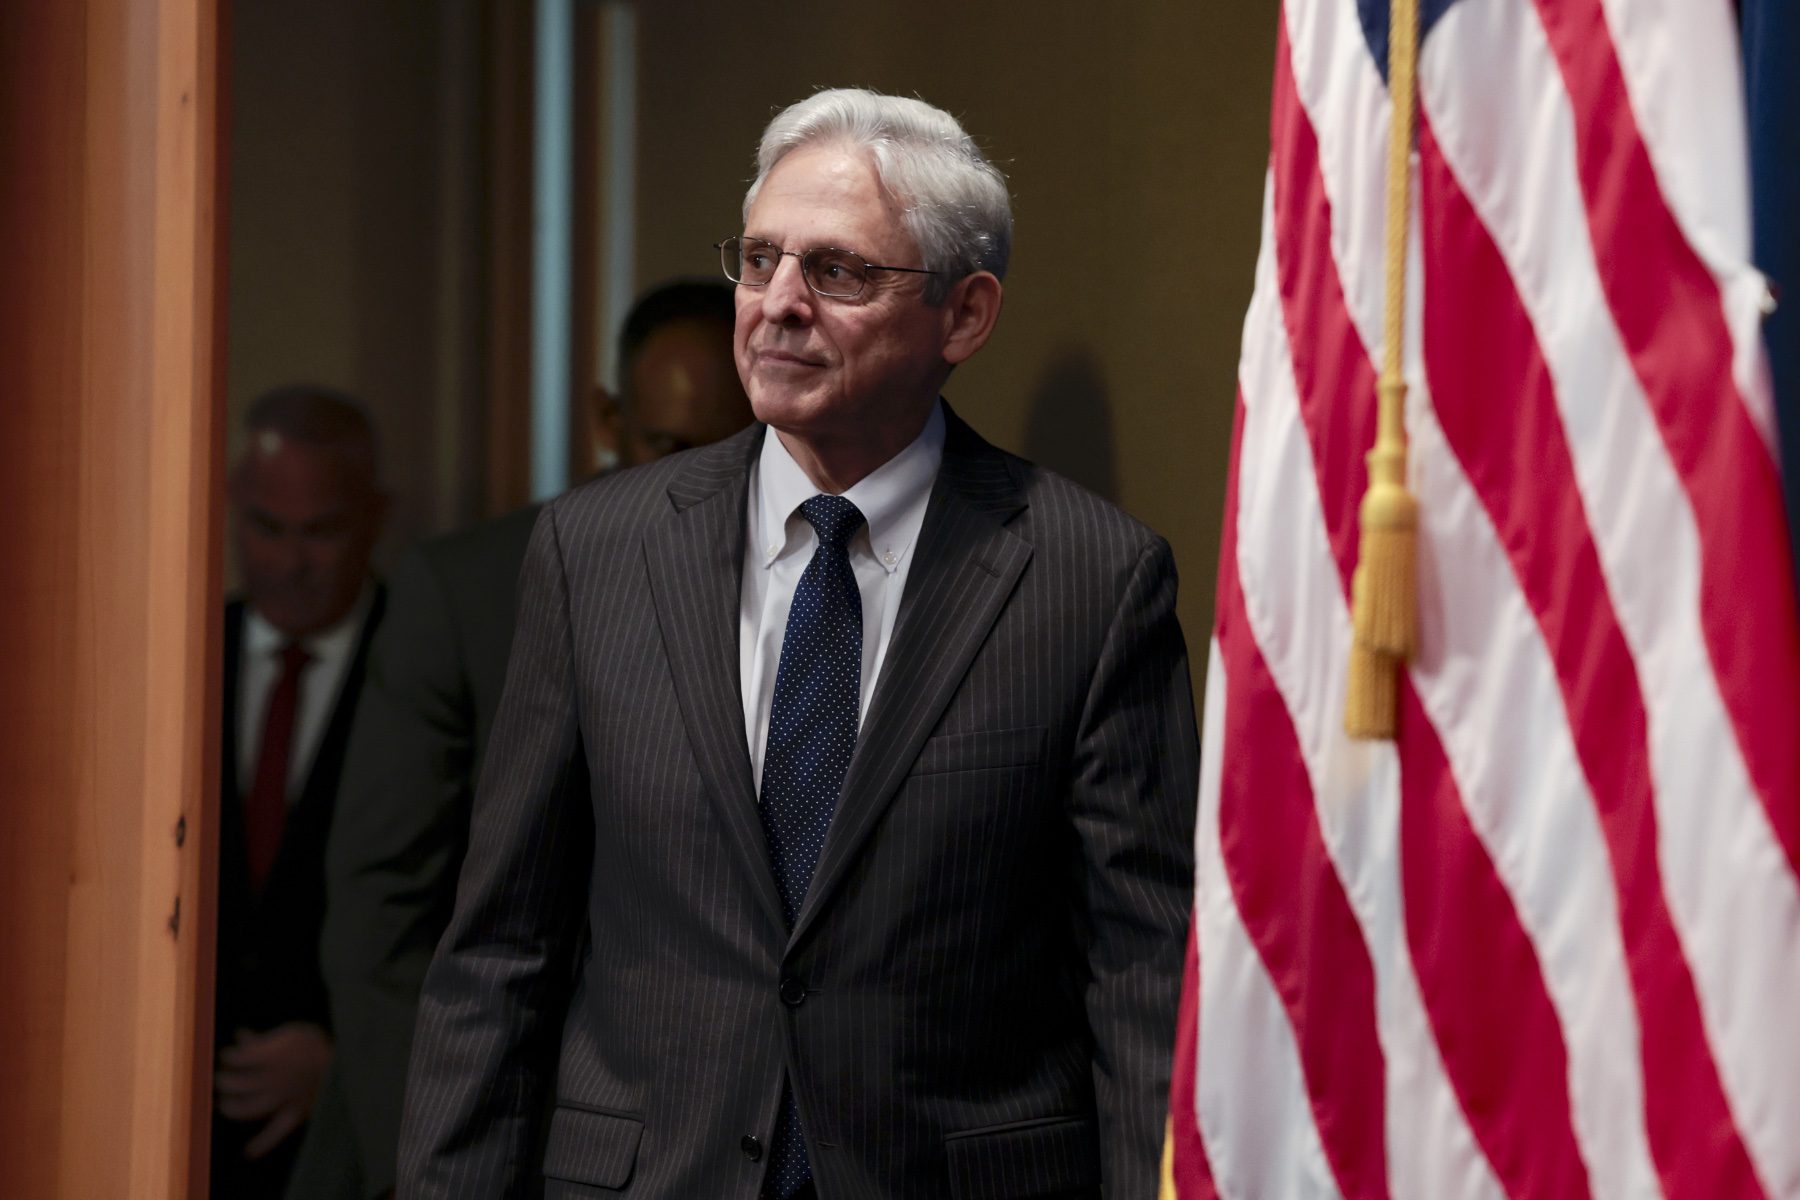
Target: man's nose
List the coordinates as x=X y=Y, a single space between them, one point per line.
x=786 y=298
x=285 y=556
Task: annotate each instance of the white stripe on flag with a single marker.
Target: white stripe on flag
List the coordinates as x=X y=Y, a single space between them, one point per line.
x=1496 y=101
x=1302 y=625
x=1485 y=668
x=1681 y=65
x=1482 y=672
x=1249 y=1094
x=1347 y=102
x=1715 y=900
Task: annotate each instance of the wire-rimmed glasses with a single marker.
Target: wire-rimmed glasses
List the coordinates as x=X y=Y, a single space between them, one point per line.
x=828 y=270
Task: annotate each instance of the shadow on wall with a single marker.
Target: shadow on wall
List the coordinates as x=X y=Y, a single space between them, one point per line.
x=1069 y=425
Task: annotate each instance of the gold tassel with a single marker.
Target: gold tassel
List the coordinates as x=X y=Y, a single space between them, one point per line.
x=1167 y=1190
x=1384 y=590
x=1372 y=700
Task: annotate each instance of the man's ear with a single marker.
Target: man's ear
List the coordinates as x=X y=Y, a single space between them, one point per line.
x=970 y=312
x=607 y=424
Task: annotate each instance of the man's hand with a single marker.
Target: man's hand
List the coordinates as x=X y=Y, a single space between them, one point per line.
x=272 y=1077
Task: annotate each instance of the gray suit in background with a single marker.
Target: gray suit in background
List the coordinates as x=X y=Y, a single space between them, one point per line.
x=977 y=998
x=434 y=679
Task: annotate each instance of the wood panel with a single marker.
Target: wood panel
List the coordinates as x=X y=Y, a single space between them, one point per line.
x=107 y=616
x=42 y=115
x=171 y=1102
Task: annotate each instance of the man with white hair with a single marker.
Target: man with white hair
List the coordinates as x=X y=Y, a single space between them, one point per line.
x=307 y=508
x=835 y=839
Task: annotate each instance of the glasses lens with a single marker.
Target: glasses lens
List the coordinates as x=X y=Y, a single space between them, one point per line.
x=751 y=260
x=730 y=259
x=831 y=272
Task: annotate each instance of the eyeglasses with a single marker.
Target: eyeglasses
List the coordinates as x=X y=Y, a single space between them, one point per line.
x=840 y=274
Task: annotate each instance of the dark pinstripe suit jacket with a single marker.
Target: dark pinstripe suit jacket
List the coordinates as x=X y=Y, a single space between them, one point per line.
x=978 y=996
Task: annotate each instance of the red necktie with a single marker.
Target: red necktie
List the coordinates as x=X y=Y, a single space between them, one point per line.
x=266 y=807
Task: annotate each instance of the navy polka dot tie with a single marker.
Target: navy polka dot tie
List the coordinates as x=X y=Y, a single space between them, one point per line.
x=812 y=732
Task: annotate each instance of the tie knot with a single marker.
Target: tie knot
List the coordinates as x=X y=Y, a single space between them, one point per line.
x=294 y=657
x=834 y=519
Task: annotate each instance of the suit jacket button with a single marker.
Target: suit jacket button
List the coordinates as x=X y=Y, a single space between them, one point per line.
x=751 y=1147
x=793 y=992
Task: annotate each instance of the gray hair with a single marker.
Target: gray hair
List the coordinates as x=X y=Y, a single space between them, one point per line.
x=955 y=204
x=314 y=415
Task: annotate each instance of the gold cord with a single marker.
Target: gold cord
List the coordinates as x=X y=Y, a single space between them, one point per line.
x=1384 y=589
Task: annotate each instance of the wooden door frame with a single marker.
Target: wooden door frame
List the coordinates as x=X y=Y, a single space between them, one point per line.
x=110 y=361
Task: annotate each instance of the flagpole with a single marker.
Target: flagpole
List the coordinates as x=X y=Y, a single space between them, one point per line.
x=1384 y=589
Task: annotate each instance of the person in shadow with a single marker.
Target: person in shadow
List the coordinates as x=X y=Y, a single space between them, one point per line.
x=306 y=511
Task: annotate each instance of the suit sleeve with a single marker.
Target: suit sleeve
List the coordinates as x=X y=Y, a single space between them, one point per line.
x=494 y=999
x=396 y=842
x=1134 y=779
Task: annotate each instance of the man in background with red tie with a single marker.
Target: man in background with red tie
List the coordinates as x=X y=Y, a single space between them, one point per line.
x=306 y=509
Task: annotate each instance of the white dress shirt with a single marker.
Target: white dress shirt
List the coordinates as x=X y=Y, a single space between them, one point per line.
x=259 y=667
x=780 y=544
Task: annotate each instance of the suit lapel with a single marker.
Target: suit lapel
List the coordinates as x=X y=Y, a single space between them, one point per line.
x=327 y=765
x=696 y=559
x=966 y=566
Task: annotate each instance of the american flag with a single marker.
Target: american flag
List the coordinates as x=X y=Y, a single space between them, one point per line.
x=1545 y=943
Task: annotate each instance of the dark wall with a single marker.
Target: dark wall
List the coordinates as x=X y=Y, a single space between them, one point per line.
x=1135 y=137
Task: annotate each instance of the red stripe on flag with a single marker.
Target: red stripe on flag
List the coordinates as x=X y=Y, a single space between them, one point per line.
x=1475 y=963
x=1498 y=1032
x=1668 y=310
x=1332 y=371
x=1290 y=898
x=1193 y=1174
x=1495 y=400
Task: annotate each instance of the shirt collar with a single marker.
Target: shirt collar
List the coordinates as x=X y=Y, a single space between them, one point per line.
x=892 y=497
x=263 y=640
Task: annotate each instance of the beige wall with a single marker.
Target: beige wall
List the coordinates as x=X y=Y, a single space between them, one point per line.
x=1134 y=135
x=1135 y=139
x=356 y=244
